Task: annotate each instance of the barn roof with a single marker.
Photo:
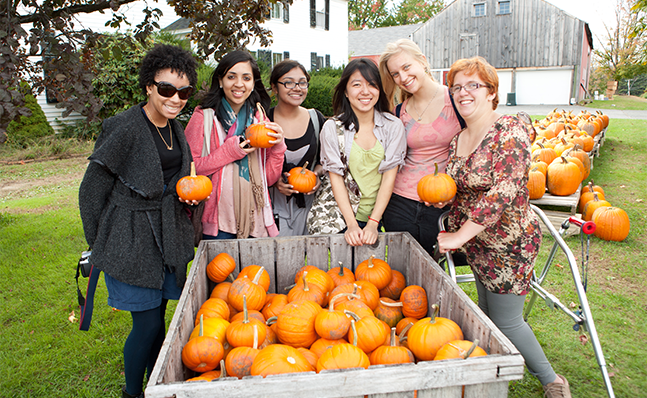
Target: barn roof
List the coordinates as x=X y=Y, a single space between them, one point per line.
x=372 y=41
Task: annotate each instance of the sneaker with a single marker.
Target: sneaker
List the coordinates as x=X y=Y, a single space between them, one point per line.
x=557 y=390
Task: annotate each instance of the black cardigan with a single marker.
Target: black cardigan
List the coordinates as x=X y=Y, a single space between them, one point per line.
x=132 y=225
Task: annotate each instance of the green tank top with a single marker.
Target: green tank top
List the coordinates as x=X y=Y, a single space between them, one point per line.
x=364 y=165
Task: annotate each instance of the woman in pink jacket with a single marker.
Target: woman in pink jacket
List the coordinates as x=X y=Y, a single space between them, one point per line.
x=239 y=206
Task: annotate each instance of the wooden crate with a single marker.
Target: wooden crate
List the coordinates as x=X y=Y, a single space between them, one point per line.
x=559 y=208
x=482 y=377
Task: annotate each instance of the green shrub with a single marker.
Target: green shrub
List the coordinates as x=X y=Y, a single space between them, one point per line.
x=28 y=128
x=82 y=130
x=320 y=93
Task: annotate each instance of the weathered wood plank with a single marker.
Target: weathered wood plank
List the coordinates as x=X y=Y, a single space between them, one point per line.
x=290 y=257
x=259 y=252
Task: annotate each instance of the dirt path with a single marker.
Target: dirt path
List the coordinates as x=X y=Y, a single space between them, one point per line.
x=31 y=178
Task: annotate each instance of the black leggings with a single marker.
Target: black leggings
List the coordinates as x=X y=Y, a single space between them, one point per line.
x=143 y=346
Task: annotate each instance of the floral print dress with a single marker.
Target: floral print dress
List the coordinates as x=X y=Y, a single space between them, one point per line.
x=492 y=192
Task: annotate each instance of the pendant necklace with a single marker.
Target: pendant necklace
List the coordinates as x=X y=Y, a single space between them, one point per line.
x=428 y=103
x=169 y=147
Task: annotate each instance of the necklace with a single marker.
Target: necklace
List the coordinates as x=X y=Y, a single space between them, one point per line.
x=428 y=103
x=169 y=147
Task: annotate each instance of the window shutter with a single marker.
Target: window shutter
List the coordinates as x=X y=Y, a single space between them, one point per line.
x=313 y=13
x=327 y=23
x=313 y=62
x=286 y=13
x=327 y=60
x=286 y=55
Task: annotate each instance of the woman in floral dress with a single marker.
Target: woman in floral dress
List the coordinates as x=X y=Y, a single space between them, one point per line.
x=490 y=216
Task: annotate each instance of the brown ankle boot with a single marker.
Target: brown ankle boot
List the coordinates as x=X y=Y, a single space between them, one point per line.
x=124 y=393
x=557 y=390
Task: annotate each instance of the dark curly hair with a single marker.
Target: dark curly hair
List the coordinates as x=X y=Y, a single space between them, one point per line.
x=213 y=98
x=340 y=102
x=165 y=56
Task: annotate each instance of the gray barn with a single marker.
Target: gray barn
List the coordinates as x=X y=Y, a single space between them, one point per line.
x=541 y=53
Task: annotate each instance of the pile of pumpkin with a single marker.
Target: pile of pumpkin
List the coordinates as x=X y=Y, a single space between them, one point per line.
x=328 y=320
x=611 y=223
x=560 y=152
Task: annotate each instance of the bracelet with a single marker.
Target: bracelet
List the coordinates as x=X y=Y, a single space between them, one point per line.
x=372 y=219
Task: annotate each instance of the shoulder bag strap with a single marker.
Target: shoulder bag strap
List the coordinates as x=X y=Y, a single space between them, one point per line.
x=315 y=124
x=208 y=127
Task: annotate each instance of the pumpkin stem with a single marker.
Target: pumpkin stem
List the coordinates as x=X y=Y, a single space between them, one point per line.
x=331 y=303
x=404 y=331
x=257 y=277
x=255 y=346
x=304 y=168
x=352 y=315
x=263 y=116
x=434 y=313
x=271 y=320
x=471 y=350
x=387 y=304
x=201 y=326
x=245 y=314
x=193 y=170
x=435 y=169
x=370 y=261
x=305 y=283
x=352 y=325
x=287 y=288
x=223 y=369
x=230 y=277
x=341 y=269
x=393 y=337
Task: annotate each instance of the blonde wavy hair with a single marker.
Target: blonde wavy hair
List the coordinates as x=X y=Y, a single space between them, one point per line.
x=393 y=92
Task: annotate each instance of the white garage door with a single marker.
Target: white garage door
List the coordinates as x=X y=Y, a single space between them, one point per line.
x=505 y=85
x=544 y=87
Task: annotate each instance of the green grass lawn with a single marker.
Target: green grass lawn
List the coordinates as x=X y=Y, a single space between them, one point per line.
x=624 y=102
x=43 y=354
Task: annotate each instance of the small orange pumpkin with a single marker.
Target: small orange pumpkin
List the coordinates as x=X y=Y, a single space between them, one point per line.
x=460 y=349
x=536 y=184
x=302 y=179
x=194 y=187
x=202 y=353
x=257 y=132
x=220 y=267
x=394 y=289
x=343 y=356
x=429 y=334
x=279 y=359
x=592 y=205
x=374 y=270
x=437 y=187
x=341 y=275
x=563 y=178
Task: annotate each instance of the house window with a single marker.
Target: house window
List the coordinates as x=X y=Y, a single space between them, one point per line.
x=286 y=55
x=503 y=7
x=327 y=60
x=320 y=14
x=316 y=62
x=479 y=10
x=275 y=13
x=276 y=58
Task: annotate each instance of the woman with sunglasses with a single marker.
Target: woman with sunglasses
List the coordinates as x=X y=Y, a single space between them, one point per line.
x=134 y=222
x=430 y=122
x=374 y=144
x=240 y=205
x=490 y=215
x=301 y=126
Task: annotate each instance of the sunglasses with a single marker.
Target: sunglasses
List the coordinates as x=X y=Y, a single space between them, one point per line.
x=168 y=90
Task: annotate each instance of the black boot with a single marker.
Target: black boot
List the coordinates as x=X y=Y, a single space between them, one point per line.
x=125 y=394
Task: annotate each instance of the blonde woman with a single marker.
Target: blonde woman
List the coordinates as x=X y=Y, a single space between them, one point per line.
x=430 y=122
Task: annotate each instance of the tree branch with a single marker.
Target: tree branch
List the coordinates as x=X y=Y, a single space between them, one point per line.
x=75 y=9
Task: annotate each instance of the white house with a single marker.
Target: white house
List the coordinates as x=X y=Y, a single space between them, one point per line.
x=313 y=32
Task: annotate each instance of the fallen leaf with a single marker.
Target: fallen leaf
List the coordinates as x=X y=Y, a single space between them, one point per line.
x=612 y=374
x=72 y=318
x=584 y=339
x=639 y=200
x=32 y=332
x=559 y=266
x=622 y=186
x=86 y=377
x=572 y=305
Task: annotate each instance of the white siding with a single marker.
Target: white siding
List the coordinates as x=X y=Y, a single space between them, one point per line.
x=299 y=39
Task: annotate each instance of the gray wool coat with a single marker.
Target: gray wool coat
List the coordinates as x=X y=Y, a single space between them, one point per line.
x=133 y=226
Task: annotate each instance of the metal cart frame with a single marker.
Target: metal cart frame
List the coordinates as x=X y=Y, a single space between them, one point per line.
x=582 y=317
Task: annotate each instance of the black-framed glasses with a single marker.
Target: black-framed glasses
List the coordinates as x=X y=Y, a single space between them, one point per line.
x=168 y=90
x=290 y=84
x=471 y=86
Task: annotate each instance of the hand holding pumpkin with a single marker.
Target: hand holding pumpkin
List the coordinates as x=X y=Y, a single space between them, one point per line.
x=193 y=188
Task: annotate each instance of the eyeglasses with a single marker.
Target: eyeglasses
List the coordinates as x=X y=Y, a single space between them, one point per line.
x=290 y=84
x=471 y=86
x=168 y=90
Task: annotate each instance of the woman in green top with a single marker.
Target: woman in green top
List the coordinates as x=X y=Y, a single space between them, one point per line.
x=374 y=144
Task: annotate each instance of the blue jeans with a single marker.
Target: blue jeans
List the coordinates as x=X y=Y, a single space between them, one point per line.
x=221 y=235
